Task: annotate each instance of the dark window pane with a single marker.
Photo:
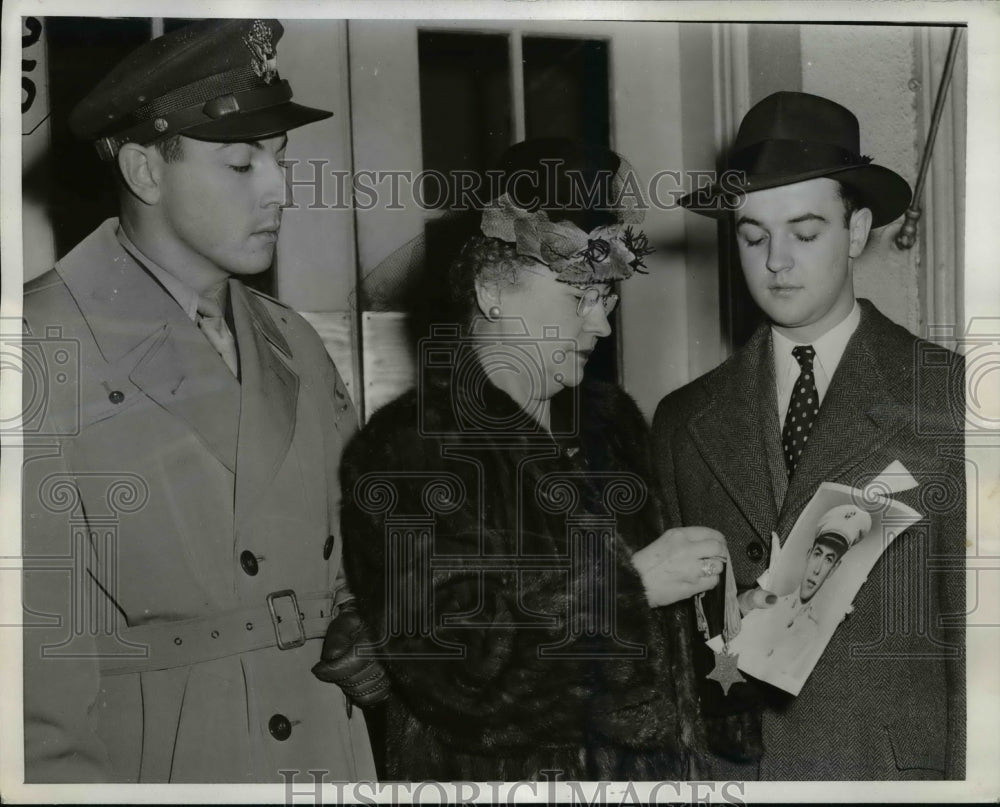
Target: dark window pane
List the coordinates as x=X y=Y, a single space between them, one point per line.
x=566 y=88
x=81 y=51
x=171 y=24
x=465 y=106
x=566 y=94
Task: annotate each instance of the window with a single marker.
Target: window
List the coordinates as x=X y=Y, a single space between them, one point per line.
x=481 y=92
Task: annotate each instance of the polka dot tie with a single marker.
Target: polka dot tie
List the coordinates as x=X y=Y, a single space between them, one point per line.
x=802 y=409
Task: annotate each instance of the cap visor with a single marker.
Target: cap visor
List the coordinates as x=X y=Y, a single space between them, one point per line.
x=257 y=124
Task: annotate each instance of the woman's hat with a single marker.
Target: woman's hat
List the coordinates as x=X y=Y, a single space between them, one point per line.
x=568 y=180
x=571 y=206
x=213 y=80
x=792 y=137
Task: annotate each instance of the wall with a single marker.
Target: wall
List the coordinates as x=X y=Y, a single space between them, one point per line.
x=315 y=264
x=870 y=70
x=657 y=320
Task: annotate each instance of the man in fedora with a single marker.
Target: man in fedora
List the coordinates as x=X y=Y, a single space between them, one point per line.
x=828 y=389
x=181 y=540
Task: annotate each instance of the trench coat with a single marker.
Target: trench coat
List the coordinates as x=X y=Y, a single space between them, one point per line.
x=181 y=543
x=887 y=698
x=492 y=563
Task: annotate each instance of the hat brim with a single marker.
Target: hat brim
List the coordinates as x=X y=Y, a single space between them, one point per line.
x=882 y=190
x=256 y=125
x=834 y=540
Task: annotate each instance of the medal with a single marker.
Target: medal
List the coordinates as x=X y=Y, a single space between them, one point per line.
x=725 y=671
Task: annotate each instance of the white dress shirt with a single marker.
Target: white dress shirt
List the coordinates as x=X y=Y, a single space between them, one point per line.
x=829 y=350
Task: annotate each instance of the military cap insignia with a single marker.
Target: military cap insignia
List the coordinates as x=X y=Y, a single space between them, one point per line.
x=198 y=81
x=264 y=59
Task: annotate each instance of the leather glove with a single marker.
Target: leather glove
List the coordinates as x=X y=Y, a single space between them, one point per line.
x=363 y=680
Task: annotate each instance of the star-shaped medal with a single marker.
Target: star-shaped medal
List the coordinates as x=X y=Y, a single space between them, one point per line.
x=725 y=671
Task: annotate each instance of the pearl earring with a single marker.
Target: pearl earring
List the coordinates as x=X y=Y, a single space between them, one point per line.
x=494 y=313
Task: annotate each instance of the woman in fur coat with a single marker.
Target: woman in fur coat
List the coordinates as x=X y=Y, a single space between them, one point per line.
x=501 y=535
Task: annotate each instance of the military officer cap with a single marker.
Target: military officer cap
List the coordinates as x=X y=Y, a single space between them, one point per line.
x=843 y=526
x=214 y=80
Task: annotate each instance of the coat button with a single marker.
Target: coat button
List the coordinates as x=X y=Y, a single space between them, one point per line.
x=755 y=551
x=249 y=562
x=280 y=727
x=328 y=548
x=116 y=396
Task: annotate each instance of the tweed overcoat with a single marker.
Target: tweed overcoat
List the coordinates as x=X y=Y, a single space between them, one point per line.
x=493 y=564
x=886 y=700
x=163 y=502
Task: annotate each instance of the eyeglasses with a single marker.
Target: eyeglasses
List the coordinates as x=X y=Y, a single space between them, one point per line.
x=592 y=296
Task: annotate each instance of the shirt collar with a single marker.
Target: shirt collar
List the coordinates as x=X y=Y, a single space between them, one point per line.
x=185 y=296
x=829 y=347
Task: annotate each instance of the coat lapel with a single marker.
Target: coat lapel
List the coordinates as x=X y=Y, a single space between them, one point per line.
x=736 y=434
x=860 y=413
x=184 y=375
x=146 y=338
x=270 y=393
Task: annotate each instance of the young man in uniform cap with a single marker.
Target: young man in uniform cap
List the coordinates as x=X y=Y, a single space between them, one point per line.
x=828 y=390
x=181 y=540
x=794 y=617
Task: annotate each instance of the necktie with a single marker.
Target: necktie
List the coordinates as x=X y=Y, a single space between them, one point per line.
x=802 y=408
x=213 y=325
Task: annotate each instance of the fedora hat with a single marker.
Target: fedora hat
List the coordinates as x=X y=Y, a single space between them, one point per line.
x=792 y=137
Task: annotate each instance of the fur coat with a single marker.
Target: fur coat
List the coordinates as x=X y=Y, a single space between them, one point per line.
x=513 y=626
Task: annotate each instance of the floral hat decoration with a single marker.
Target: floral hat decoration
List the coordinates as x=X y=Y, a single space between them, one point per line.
x=578 y=217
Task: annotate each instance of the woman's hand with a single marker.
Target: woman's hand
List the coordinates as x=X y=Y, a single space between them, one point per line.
x=681 y=563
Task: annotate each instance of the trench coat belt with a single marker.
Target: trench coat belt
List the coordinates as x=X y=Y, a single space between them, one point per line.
x=165 y=645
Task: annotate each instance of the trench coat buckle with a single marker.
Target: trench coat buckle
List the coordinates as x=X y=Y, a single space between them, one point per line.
x=282 y=621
